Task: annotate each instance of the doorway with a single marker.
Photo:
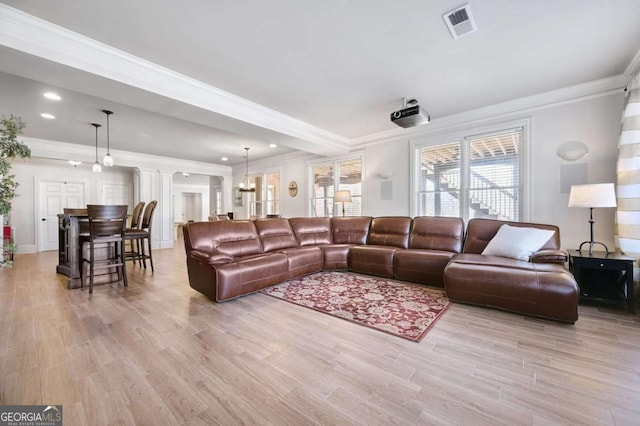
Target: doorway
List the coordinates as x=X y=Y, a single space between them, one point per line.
x=191 y=206
x=54 y=197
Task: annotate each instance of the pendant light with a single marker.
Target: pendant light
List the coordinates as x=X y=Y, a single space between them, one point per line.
x=108 y=159
x=97 y=168
x=246 y=185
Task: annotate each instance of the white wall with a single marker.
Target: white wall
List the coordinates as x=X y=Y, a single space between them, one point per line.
x=27 y=172
x=596 y=123
x=390 y=157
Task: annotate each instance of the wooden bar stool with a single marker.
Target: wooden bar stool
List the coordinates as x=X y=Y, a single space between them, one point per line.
x=141 y=235
x=107 y=225
x=136 y=216
x=135 y=225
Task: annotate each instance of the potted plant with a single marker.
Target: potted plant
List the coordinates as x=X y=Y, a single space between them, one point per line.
x=10 y=148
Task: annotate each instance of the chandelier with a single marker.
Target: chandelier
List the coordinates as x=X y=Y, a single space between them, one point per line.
x=247 y=185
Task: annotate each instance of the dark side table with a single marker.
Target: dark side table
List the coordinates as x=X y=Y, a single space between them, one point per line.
x=604 y=277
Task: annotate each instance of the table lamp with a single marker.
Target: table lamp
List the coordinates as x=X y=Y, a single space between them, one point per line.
x=592 y=196
x=343 y=196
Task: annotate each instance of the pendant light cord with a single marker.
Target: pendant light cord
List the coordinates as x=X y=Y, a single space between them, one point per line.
x=108 y=134
x=96 y=125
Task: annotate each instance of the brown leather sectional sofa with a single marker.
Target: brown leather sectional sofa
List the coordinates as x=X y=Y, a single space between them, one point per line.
x=228 y=259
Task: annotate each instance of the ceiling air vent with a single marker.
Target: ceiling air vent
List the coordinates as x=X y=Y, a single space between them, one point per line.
x=460 y=21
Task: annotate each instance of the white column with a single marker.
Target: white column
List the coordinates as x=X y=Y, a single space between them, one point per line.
x=164 y=211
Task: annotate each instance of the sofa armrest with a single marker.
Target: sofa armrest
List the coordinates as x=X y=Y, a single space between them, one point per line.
x=210 y=258
x=549 y=256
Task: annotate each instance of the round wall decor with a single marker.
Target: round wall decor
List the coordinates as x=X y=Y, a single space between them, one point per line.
x=293 y=188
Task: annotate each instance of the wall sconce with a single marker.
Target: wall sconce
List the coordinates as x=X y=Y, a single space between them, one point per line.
x=572 y=150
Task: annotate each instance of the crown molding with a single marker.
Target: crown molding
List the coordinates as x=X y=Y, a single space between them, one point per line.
x=63 y=151
x=35 y=36
x=509 y=109
x=633 y=69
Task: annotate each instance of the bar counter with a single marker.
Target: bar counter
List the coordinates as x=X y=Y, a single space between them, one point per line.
x=70 y=226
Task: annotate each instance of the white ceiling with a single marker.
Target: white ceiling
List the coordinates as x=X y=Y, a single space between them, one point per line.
x=341 y=66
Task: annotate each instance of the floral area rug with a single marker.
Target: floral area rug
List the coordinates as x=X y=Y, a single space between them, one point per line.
x=399 y=308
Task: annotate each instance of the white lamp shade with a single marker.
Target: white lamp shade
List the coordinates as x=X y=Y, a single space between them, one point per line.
x=97 y=168
x=592 y=195
x=343 y=196
x=107 y=161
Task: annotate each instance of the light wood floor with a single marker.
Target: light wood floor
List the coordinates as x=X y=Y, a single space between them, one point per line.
x=158 y=352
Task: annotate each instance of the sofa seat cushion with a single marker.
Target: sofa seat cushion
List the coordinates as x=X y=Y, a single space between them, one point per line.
x=422 y=266
x=250 y=274
x=498 y=261
x=335 y=256
x=373 y=260
x=303 y=260
x=544 y=290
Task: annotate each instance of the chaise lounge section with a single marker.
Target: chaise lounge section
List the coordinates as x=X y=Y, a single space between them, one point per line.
x=541 y=287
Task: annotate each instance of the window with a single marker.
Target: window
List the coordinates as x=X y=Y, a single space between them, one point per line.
x=478 y=176
x=326 y=177
x=266 y=199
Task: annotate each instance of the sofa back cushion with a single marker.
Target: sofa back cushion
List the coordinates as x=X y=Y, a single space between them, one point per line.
x=350 y=230
x=311 y=230
x=437 y=233
x=390 y=231
x=481 y=231
x=275 y=234
x=235 y=238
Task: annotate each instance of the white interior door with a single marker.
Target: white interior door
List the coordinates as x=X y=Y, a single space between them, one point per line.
x=187 y=206
x=55 y=196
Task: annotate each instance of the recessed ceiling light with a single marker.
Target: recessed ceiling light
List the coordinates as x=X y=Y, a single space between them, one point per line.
x=47 y=116
x=52 y=96
x=75 y=163
x=273 y=145
x=224 y=159
x=185 y=174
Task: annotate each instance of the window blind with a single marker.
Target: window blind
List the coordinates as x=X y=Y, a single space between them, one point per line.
x=478 y=176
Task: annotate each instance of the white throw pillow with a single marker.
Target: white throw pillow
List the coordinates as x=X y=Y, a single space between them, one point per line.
x=517 y=242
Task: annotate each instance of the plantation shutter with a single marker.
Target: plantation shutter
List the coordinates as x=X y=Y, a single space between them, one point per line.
x=493 y=175
x=330 y=177
x=478 y=176
x=439 y=193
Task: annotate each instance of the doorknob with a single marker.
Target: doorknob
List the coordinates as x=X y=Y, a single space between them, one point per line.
x=43 y=219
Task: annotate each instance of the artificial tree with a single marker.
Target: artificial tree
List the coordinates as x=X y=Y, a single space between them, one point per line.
x=10 y=148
